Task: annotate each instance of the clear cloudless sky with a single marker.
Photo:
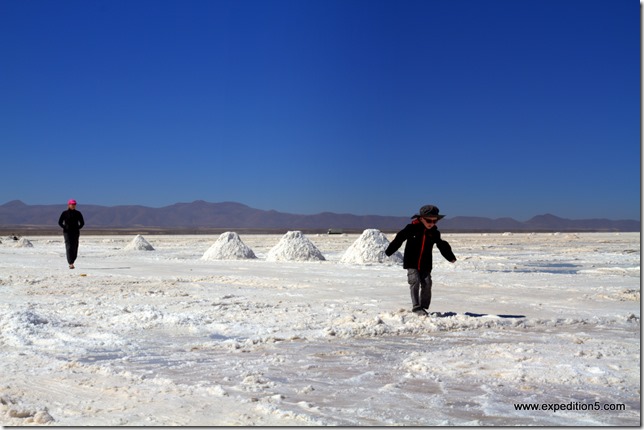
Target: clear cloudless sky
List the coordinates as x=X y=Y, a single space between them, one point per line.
x=496 y=108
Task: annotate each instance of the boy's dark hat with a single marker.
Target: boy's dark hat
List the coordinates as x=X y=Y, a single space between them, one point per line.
x=428 y=211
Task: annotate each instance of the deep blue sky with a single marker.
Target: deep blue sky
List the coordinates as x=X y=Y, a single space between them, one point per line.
x=485 y=108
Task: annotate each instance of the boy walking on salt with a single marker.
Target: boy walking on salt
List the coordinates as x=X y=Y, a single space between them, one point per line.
x=421 y=235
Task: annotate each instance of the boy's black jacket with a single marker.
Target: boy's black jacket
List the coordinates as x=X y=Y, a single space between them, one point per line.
x=420 y=242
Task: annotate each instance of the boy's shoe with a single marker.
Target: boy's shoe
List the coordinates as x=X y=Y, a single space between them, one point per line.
x=420 y=311
x=71 y=266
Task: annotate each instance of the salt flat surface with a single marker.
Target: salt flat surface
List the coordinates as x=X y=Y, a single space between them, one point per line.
x=165 y=337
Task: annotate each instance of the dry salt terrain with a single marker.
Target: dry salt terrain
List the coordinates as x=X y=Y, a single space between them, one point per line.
x=157 y=331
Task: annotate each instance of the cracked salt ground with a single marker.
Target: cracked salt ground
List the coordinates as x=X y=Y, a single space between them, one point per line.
x=166 y=338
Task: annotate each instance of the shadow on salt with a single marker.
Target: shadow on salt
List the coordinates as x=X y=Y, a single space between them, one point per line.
x=551 y=268
x=98 y=356
x=223 y=338
x=474 y=315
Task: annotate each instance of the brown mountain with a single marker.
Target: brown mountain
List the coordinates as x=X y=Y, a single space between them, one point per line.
x=231 y=215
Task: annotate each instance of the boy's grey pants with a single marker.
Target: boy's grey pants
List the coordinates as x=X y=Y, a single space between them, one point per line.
x=420 y=285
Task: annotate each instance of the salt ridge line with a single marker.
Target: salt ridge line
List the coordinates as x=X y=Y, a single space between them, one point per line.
x=24 y=328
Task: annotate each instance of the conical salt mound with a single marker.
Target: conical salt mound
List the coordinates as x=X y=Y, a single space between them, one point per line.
x=139 y=244
x=228 y=247
x=294 y=246
x=24 y=243
x=370 y=248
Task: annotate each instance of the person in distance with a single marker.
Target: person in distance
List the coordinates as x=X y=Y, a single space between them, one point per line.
x=71 y=221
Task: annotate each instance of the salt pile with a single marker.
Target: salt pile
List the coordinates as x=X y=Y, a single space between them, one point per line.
x=139 y=244
x=24 y=243
x=370 y=248
x=294 y=246
x=228 y=246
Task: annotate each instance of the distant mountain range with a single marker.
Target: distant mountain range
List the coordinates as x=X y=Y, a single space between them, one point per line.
x=229 y=215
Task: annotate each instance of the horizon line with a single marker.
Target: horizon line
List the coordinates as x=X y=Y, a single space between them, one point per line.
x=318 y=213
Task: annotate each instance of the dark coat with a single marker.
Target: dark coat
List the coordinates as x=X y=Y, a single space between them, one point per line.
x=71 y=221
x=420 y=242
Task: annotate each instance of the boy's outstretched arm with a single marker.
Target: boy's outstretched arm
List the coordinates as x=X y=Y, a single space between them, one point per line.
x=446 y=251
